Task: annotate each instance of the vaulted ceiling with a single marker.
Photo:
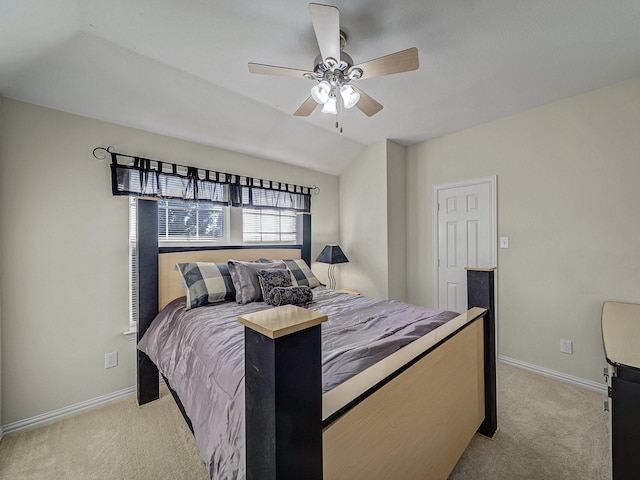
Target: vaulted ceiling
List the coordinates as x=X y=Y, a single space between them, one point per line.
x=179 y=68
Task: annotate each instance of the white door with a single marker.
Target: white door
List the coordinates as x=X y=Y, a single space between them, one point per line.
x=465 y=236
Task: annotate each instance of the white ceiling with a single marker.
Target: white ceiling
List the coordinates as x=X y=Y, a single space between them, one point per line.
x=179 y=68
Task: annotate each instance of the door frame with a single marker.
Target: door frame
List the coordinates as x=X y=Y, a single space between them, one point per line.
x=493 y=228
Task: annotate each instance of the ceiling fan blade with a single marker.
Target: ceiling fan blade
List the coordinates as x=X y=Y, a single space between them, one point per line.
x=278 y=71
x=367 y=104
x=398 y=62
x=326 y=23
x=306 y=108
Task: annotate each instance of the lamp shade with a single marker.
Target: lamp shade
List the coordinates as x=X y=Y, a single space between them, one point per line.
x=320 y=92
x=349 y=96
x=332 y=254
x=331 y=106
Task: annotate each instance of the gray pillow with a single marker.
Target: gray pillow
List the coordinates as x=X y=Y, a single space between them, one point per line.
x=245 y=279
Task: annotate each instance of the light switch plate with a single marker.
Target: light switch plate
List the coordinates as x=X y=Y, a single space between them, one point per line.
x=566 y=346
x=504 y=242
x=111 y=360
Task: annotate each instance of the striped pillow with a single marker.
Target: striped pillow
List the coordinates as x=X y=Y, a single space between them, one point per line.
x=301 y=274
x=206 y=283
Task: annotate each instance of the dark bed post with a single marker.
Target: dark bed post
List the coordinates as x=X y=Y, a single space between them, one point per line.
x=147 y=261
x=481 y=293
x=283 y=394
x=303 y=229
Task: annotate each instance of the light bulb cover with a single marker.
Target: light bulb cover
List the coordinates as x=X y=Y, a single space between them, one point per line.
x=320 y=92
x=330 y=106
x=349 y=96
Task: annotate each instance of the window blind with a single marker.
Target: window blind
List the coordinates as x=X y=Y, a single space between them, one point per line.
x=269 y=225
x=133 y=265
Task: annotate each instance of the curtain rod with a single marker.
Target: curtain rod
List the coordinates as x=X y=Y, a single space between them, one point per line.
x=101 y=153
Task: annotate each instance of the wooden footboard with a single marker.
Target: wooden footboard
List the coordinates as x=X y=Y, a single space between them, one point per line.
x=410 y=416
x=418 y=425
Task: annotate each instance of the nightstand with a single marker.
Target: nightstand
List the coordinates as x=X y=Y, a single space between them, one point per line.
x=352 y=292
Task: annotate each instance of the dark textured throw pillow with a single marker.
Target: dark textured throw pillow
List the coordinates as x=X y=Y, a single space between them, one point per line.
x=275 y=277
x=245 y=279
x=206 y=283
x=299 y=296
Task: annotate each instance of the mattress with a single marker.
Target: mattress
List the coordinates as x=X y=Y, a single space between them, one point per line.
x=201 y=353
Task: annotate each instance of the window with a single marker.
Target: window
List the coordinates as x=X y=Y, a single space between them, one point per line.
x=133 y=266
x=263 y=225
x=180 y=221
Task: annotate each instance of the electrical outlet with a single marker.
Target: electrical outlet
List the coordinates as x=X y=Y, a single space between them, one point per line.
x=111 y=360
x=566 y=346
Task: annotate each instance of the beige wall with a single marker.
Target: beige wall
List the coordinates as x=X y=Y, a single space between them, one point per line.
x=396 y=221
x=373 y=222
x=568 y=199
x=64 y=281
x=363 y=220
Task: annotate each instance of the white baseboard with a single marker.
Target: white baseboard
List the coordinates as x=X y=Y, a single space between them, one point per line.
x=581 y=382
x=60 y=413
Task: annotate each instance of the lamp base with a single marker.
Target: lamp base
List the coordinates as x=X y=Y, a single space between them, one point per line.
x=332 y=277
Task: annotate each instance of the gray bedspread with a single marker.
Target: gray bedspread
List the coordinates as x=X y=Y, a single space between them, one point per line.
x=201 y=352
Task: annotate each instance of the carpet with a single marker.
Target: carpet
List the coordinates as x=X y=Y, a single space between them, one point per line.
x=547 y=430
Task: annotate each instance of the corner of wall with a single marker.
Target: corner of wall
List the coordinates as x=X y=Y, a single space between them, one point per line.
x=363 y=220
x=373 y=222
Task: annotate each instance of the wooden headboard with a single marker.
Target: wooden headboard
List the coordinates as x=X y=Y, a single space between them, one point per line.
x=170 y=284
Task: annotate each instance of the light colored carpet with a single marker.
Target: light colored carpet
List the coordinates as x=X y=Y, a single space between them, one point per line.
x=120 y=441
x=548 y=430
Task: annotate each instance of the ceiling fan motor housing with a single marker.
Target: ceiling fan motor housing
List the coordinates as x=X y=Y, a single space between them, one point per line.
x=326 y=70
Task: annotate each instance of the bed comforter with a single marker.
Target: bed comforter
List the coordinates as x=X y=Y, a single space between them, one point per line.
x=201 y=353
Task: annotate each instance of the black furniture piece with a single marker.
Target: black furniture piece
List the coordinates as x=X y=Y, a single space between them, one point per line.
x=280 y=344
x=481 y=293
x=621 y=339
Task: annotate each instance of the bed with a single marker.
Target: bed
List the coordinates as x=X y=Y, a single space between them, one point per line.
x=407 y=414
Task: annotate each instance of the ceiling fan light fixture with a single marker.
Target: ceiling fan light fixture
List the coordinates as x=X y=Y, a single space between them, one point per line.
x=320 y=92
x=330 y=106
x=349 y=96
x=333 y=69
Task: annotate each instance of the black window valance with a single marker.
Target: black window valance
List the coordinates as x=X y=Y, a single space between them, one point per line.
x=266 y=194
x=143 y=177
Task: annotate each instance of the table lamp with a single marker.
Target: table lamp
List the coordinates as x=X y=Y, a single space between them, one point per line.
x=332 y=254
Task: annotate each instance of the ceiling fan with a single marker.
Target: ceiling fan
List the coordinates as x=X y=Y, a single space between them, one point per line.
x=334 y=70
